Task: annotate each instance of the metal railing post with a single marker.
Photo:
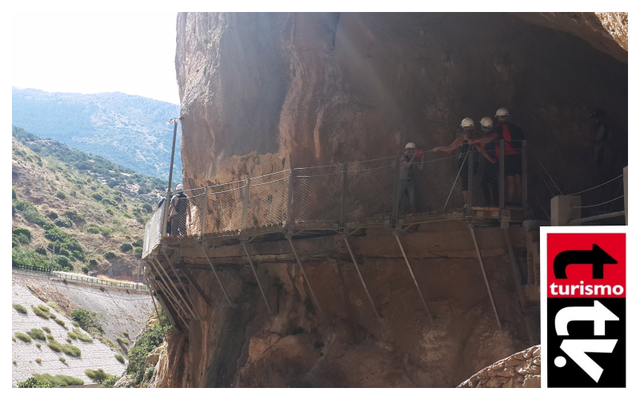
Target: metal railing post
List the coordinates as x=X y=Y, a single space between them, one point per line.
x=290 y=197
x=396 y=189
x=470 y=178
x=246 y=204
x=205 y=211
x=345 y=172
x=501 y=175
x=524 y=175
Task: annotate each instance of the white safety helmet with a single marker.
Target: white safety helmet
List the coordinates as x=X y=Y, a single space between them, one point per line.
x=486 y=123
x=467 y=123
x=502 y=113
x=410 y=145
x=179 y=187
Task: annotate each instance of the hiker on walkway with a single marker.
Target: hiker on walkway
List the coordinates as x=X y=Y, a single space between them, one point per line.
x=463 y=141
x=407 y=182
x=178 y=211
x=489 y=182
x=513 y=138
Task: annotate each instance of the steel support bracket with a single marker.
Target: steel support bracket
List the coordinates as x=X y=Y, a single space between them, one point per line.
x=255 y=274
x=366 y=289
x=203 y=245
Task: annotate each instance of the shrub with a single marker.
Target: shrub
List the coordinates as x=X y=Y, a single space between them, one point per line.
x=137 y=251
x=27 y=256
x=36 y=334
x=148 y=373
x=124 y=247
x=122 y=341
x=63 y=222
x=22 y=231
x=46 y=329
x=13 y=194
x=88 y=320
x=23 y=337
x=93 y=229
x=109 y=255
x=138 y=243
x=97 y=376
x=40 y=249
x=14 y=244
x=58 y=380
x=128 y=215
x=148 y=342
x=62 y=359
x=40 y=313
x=60 y=195
x=39 y=360
x=72 y=335
x=38 y=345
x=20 y=238
x=62 y=262
x=106 y=232
x=120 y=358
x=52 y=215
x=54 y=305
x=55 y=346
x=85 y=269
x=93 y=263
x=109 y=382
x=82 y=336
x=59 y=322
x=43 y=307
x=71 y=350
x=33 y=383
x=49 y=336
x=96 y=196
x=19 y=308
x=147 y=207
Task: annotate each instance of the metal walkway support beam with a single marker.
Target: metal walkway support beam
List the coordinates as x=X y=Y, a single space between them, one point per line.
x=315 y=300
x=244 y=245
x=406 y=260
x=355 y=263
x=165 y=287
x=517 y=279
x=193 y=310
x=232 y=304
x=484 y=274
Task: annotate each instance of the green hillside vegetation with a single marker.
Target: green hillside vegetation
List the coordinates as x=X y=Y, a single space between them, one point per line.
x=55 y=207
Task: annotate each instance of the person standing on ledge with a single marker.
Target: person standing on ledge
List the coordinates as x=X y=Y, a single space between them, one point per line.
x=407 y=182
x=178 y=211
x=464 y=141
x=513 y=138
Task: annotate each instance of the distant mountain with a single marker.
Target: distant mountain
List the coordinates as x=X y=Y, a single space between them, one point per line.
x=129 y=130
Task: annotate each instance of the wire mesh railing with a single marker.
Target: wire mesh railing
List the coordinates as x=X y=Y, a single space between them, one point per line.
x=153 y=231
x=333 y=196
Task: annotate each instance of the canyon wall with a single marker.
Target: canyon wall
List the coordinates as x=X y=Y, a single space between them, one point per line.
x=261 y=92
x=265 y=92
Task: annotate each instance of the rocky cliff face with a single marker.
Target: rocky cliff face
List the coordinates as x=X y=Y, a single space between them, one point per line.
x=260 y=92
x=264 y=92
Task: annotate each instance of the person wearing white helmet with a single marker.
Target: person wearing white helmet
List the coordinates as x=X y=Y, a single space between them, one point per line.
x=179 y=209
x=407 y=182
x=489 y=182
x=513 y=138
x=462 y=141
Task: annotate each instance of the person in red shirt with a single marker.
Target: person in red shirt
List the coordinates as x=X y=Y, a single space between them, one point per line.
x=513 y=138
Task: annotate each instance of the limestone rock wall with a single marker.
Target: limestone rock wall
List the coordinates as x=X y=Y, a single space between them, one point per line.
x=262 y=92
x=520 y=370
